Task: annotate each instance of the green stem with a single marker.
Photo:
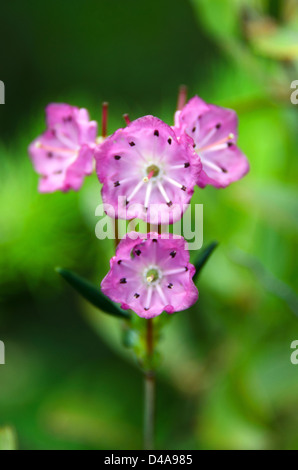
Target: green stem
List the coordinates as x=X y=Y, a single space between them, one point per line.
x=116 y=232
x=149 y=391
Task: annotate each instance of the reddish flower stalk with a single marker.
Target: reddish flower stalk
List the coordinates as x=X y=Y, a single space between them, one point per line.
x=182 y=97
x=126 y=118
x=104 y=123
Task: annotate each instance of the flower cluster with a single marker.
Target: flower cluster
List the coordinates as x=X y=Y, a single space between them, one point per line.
x=152 y=168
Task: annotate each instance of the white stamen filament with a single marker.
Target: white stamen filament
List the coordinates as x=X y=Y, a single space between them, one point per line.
x=154 y=249
x=136 y=189
x=129 y=266
x=174 y=271
x=163 y=192
x=211 y=165
x=66 y=141
x=127 y=180
x=148 y=193
x=149 y=297
x=208 y=136
x=173 y=182
x=177 y=167
x=50 y=148
x=161 y=294
x=213 y=148
x=216 y=144
x=139 y=153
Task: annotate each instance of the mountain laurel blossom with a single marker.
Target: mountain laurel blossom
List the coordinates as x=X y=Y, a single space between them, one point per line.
x=151 y=273
x=63 y=154
x=214 y=133
x=152 y=170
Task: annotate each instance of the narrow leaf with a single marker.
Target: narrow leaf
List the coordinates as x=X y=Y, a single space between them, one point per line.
x=203 y=258
x=91 y=293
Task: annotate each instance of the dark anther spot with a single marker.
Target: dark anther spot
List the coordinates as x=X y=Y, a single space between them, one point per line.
x=50 y=154
x=194 y=129
x=173 y=254
x=136 y=295
x=123 y=280
x=170 y=286
x=132 y=144
x=218 y=126
x=117 y=157
x=146 y=308
x=138 y=252
x=183 y=188
x=224 y=170
x=230 y=144
x=169 y=204
x=154 y=240
x=186 y=165
x=169 y=141
x=126 y=202
x=67 y=119
x=120 y=261
x=116 y=183
x=186 y=268
x=156 y=133
x=194 y=146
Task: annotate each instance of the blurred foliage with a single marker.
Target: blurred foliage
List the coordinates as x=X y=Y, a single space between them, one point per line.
x=7 y=439
x=225 y=380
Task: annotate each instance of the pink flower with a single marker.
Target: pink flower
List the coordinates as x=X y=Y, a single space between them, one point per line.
x=149 y=169
x=214 y=132
x=63 y=154
x=150 y=274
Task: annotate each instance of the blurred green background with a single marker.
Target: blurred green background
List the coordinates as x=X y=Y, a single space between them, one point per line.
x=226 y=380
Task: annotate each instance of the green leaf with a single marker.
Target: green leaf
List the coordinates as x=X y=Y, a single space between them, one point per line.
x=93 y=294
x=203 y=258
x=8 y=439
x=282 y=44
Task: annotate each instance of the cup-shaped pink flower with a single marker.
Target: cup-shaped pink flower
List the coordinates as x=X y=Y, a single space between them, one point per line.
x=151 y=273
x=214 y=133
x=147 y=172
x=63 y=154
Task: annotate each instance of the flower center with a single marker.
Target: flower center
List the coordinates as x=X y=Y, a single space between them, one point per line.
x=152 y=171
x=152 y=275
